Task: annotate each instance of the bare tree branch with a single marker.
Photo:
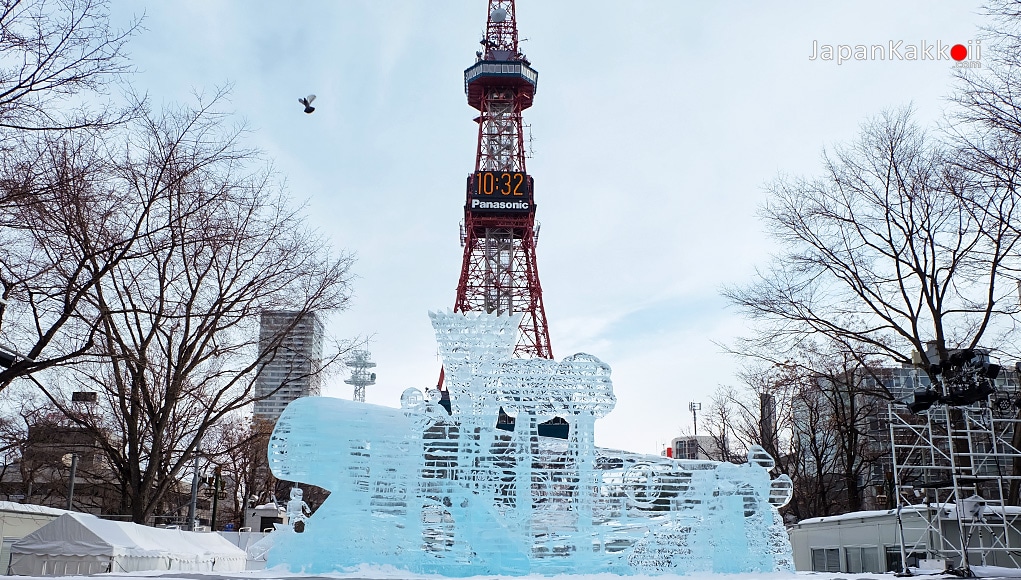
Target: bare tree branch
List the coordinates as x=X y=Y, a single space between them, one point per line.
x=173 y=321
x=59 y=56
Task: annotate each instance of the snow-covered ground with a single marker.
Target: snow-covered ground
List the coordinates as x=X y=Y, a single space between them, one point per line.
x=386 y=573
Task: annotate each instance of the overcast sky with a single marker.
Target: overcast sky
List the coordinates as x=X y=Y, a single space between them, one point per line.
x=655 y=127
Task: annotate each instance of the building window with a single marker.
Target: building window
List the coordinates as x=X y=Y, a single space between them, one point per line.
x=893 y=563
x=860 y=559
x=825 y=560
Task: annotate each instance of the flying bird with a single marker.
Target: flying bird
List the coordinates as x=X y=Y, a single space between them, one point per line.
x=307 y=101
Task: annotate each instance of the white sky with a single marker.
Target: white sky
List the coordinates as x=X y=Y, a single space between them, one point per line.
x=656 y=125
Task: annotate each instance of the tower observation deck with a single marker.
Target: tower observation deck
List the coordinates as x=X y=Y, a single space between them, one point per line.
x=498 y=234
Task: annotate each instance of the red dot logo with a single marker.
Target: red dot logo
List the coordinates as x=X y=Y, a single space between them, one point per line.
x=958 y=52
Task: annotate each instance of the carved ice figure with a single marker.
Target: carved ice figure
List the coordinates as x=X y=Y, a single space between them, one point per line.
x=454 y=494
x=297 y=509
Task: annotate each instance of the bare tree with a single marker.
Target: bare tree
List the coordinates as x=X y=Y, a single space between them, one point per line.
x=65 y=221
x=720 y=425
x=39 y=442
x=813 y=446
x=813 y=414
x=987 y=131
x=835 y=400
x=802 y=441
x=175 y=335
x=805 y=445
x=238 y=447
x=58 y=56
x=901 y=245
x=883 y=253
x=137 y=251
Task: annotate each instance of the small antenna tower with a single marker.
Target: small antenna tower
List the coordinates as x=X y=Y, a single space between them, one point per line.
x=360 y=364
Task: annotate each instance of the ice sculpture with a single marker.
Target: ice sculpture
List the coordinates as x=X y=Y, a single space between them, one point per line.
x=297 y=510
x=453 y=494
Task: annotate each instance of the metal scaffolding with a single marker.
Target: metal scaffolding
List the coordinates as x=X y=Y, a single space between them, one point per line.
x=953 y=470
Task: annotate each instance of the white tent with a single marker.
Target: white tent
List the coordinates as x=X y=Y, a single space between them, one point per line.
x=18 y=520
x=77 y=543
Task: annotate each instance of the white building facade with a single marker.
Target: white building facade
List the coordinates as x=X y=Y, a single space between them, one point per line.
x=693 y=447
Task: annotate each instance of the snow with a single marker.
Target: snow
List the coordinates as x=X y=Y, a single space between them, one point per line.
x=946 y=508
x=366 y=572
x=25 y=508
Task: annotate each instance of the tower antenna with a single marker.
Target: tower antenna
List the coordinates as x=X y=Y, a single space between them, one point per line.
x=360 y=364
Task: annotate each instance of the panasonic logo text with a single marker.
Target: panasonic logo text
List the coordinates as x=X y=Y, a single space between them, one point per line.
x=480 y=204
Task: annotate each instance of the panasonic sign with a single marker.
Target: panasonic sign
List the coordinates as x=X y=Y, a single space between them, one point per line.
x=482 y=204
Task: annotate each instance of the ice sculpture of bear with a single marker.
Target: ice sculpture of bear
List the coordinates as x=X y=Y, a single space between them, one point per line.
x=432 y=492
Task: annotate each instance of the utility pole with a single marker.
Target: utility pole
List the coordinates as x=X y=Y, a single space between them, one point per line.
x=70 y=484
x=194 y=492
x=695 y=408
x=216 y=497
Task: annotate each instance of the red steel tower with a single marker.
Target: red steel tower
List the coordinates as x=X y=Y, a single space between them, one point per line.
x=499 y=272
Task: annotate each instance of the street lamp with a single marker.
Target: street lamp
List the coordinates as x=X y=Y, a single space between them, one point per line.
x=70 y=483
x=695 y=408
x=194 y=491
x=7 y=359
x=9 y=356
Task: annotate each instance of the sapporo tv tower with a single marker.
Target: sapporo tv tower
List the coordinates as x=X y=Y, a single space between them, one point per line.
x=498 y=272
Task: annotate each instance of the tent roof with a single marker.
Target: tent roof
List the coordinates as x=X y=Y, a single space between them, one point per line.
x=86 y=535
x=27 y=508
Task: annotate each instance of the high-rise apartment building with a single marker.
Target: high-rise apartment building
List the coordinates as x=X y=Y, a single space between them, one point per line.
x=290 y=372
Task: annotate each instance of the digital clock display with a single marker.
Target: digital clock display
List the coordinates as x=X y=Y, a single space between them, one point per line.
x=500 y=192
